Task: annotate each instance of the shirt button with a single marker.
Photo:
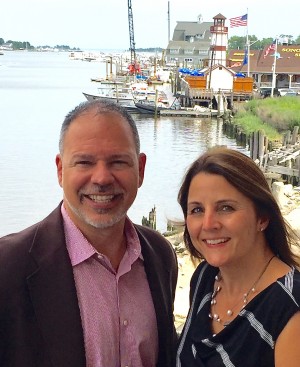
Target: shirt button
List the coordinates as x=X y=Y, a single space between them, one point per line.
x=99 y=256
x=125 y=323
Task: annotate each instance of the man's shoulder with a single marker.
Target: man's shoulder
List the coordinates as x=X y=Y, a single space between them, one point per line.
x=150 y=234
x=154 y=240
x=22 y=240
x=22 y=236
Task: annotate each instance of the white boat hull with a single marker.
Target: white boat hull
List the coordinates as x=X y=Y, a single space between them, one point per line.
x=126 y=103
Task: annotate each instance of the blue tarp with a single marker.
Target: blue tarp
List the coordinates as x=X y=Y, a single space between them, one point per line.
x=197 y=73
x=143 y=77
x=184 y=71
x=194 y=72
x=240 y=75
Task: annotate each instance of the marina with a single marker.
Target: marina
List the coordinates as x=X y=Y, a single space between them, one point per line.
x=180 y=91
x=177 y=109
x=37 y=90
x=193 y=93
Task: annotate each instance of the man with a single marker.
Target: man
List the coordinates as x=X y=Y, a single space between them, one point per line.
x=85 y=286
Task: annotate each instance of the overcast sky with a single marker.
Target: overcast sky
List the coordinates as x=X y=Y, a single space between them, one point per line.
x=103 y=24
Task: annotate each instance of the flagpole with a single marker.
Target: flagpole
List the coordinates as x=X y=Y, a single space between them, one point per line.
x=248 y=48
x=274 y=68
x=248 y=55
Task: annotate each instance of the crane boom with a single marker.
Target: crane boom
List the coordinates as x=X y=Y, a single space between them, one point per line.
x=131 y=33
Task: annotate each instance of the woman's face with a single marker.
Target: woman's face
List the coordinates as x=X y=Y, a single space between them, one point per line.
x=222 y=222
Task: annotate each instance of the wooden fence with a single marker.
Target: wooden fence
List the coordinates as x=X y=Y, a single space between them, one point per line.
x=282 y=161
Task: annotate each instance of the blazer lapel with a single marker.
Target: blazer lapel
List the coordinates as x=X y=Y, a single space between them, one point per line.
x=160 y=286
x=158 y=277
x=53 y=295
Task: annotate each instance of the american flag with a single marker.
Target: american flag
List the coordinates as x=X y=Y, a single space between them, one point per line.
x=270 y=48
x=240 y=21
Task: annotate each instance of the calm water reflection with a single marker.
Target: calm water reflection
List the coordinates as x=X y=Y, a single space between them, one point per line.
x=171 y=144
x=36 y=91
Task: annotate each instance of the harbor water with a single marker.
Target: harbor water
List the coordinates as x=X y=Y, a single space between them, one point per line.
x=37 y=89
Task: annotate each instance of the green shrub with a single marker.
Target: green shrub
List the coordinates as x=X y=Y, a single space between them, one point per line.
x=273 y=115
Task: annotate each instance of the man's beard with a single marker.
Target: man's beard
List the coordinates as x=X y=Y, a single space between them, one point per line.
x=100 y=223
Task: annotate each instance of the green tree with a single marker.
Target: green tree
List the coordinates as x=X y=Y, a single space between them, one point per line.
x=63 y=47
x=254 y=42
x=236 y=43
x=239 y=43
x=1 y=41
x=266 y=42
x=297 y=40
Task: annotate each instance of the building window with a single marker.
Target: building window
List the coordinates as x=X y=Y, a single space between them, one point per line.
x=203 y=52
x=174 y=51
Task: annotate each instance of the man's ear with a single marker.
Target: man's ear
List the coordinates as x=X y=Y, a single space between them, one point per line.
x=142 y=165
x=58 y=162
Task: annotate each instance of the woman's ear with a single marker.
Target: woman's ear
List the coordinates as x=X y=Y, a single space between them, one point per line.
x=263 y=224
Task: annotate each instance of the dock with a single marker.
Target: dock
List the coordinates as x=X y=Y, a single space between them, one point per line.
x=188 y=112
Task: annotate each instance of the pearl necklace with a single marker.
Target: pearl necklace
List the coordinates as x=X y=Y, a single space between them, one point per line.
x=229 y=312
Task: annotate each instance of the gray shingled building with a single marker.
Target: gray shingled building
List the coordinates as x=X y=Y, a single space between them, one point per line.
x=190 y=44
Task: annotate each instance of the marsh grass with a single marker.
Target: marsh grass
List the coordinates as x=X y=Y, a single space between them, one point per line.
x=273 y=115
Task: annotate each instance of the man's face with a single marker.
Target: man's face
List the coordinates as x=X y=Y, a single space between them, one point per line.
x=99 y=170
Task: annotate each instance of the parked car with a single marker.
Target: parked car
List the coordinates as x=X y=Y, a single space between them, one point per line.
x=291 y=93
x=266 y=92
x=287 y=92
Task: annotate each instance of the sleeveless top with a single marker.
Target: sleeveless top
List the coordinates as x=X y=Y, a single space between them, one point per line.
x=250 y=338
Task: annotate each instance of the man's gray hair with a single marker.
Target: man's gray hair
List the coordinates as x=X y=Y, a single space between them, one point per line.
x=100 y=107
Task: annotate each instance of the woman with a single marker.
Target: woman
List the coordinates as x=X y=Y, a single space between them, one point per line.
x=245 y=294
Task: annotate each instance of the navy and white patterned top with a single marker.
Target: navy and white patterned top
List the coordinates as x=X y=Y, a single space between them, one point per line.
x=250 y=338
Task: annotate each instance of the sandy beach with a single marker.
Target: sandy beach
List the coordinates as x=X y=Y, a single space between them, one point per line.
x=185 y=271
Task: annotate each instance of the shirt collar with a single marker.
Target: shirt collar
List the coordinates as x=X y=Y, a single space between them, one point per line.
x=80 y=249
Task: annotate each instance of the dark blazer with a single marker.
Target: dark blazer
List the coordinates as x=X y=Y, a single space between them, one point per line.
x=40 y=323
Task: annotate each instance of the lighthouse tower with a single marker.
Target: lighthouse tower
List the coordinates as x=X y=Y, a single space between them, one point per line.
x=219 y=41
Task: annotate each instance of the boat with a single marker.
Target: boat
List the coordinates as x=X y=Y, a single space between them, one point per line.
x=173 y=109
x=157 y=105
x=123 y=95
x=87 y=56
x=149 y=107
x=128 y=104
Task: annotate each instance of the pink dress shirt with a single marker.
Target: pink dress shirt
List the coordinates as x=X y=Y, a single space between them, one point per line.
x=116 y=308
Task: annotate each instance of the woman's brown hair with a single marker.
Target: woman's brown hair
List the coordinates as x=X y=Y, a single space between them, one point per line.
x=242 y=173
